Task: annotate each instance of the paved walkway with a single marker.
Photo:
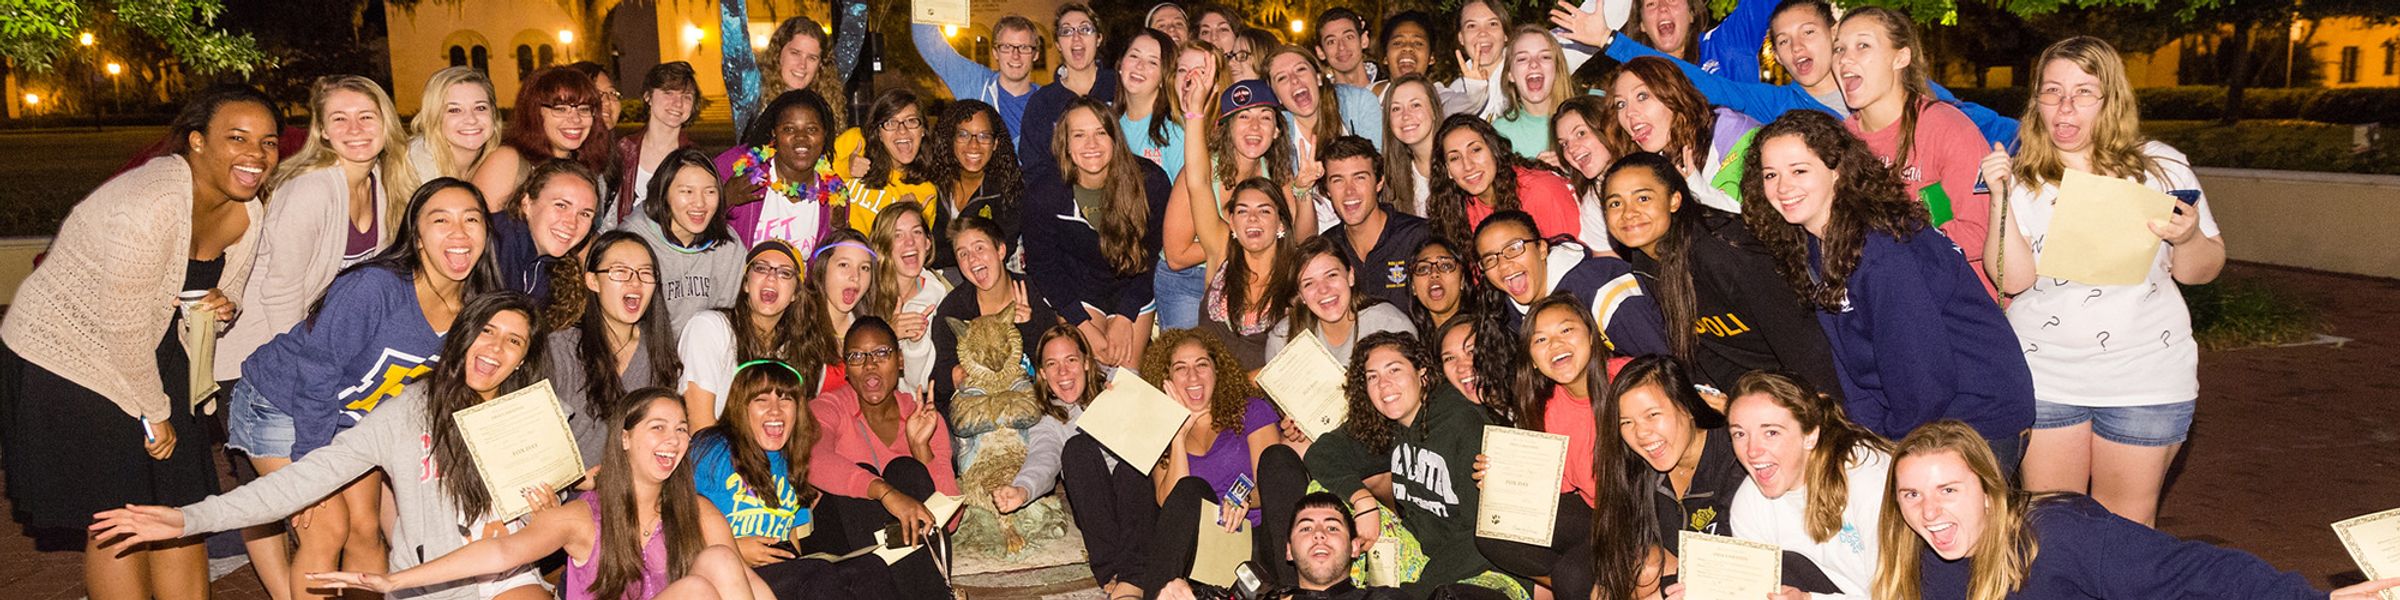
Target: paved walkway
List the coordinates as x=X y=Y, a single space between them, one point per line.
x=2287 y=441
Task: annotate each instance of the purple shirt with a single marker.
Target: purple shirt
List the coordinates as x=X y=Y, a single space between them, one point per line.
x=1228 y=458
x=581 y=576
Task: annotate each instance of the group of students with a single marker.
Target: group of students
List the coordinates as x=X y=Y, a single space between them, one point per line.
x=1806 y=314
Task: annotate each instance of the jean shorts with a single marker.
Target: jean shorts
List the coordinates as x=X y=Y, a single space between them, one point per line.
x=2154 y=425
x=1178 y=294
x=256 y=427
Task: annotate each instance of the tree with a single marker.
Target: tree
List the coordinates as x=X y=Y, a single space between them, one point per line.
x=33 y=33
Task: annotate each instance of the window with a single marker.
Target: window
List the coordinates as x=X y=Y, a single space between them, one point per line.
x=524 y=61
x=480 y=58
x=2391 y=54
x=547 y=56
x=458 y=56
x=2350 y=64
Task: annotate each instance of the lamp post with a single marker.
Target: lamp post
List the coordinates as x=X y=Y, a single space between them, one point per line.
x=91 y=84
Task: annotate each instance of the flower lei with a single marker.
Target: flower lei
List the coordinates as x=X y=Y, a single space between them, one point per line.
x=758 y=165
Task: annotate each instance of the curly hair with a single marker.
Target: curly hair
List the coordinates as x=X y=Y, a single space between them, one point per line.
x=1449 y=202
x=1233 y=390
x=1695 y=122
x=1000 y=171
x=1868 y=198
x=1364 y=423
x=827 y=86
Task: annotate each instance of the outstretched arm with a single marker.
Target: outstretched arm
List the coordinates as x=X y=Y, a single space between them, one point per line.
x=549 y=531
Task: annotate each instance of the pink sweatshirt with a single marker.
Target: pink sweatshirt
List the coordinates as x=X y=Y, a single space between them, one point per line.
x=844 y=441
x=1949 y=150
x=1544 y=195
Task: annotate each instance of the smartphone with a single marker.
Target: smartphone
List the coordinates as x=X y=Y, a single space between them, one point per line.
x=892 y=537
x=2187 y=197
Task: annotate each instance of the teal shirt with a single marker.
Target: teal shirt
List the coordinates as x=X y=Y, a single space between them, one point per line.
x=1528 y=134
x=1168 y=156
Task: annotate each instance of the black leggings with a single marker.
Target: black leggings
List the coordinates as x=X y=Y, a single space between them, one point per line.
x=1566 y=562
x=1113 y=507
x=844 y=523
x=1282 y=479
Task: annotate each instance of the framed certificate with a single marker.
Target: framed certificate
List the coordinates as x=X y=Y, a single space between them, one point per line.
x=1306 y=382
x=1523 y=470
x=520 y=440
x=2374 y=541
x=940 y=12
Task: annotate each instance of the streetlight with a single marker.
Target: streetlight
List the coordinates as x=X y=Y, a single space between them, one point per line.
x=33 y=99
x=115 y=69
x=1299 y=26
x=566 y=36
x=86 y=39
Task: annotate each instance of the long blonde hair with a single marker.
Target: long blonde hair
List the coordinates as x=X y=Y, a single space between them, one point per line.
x=883 y=290
x=399 y=177
x=1562 y=81
x=432 y=118
x=2002 y=556
x=2116 y=135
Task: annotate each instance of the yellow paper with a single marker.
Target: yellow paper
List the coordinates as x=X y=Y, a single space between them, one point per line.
x=1306 y=382
x=1715 y=567
x=2099 y=231
x=520 y=440
x=200 y=345
x=1133 y=419
x=1216 y=552
x=2374 y=541
x=1521 y=478
x=940 y=12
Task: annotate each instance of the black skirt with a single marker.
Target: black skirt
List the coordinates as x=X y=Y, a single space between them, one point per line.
x=70 y=452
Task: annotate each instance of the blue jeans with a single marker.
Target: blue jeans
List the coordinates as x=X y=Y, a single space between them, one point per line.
x=1178 y=294
x=2152 y=426
x=254 y=426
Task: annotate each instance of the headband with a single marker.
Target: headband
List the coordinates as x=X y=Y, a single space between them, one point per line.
x=813 y=256
x=768 y=361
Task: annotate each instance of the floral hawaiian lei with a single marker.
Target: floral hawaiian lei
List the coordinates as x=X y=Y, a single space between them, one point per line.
x=758 y=165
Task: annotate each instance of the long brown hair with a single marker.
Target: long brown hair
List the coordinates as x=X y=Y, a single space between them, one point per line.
x=1625 y=522
x=1231 y=398
x=446 y=393
x=1280 y=160
x=790 y=338
x=1594 y=110
x=1288 y=286
x=884 y=287
x=620 y=541
x=1838 y=440
x=1868 y=199
x=1123 y=225
x=750 y=381
x=827 y=86
x=1449 y=202
x=2116 y=131
x=1092 y=381
x=593 y=355
x=1903 y=34
x=1678 y=297
x=1239 y=272
x=1364 y=423
x=1695 y=122
x=819 y=304
x=2002 y=557
x=880 y=162
x=1702 y=21
x=1539 y=387
x=1329 y=123
x=1399 y=159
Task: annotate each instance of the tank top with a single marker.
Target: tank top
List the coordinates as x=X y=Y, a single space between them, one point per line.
x=581 y=576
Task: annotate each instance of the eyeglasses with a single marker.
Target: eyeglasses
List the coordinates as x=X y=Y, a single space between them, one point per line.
x=1242 y=56
x=2083 y=98
x=1077 y=31
x=567 y=110
x=881 y=354
x=625 y=273
x=1433 y=266
x=1015 y=49
x=977 y=137
x=611 y=95
x=1512 y=251
x=909 y=124
x=767 y=270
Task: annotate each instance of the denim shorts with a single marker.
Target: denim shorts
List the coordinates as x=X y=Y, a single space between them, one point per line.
x=256 y=427
x=1178 y=294
x=2153 y=425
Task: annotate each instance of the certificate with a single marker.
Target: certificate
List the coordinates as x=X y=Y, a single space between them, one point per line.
x=940 y=12
x=1521 y=477
x=1306 y=382
x=1716 y=567
x=2374 y=541
x=518 y=441
x=2100 y=234
x=1216 y=553
x=200 y=344
x=1133 y=420
x=1383 y=562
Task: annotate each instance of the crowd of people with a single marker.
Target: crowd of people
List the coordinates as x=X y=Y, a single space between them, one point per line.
x=1802 y=313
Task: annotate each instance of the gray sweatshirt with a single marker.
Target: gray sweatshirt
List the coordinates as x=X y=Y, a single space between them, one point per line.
x=1043 y=444
x=691 y=279
x=393 y=437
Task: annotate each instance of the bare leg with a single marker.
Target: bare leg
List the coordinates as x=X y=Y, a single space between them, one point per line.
x=2059 y=459
x=363 y=549
x=321 y=529
x=120 y=573
x=718 y=573
x=2127 y=478
x=270 y=550
x=178 y=569
x=526 y=592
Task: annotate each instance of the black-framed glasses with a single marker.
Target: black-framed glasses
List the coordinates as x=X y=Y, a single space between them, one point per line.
x=976 y=137
x=1512 y=251
x=1015 y=49
x=565 y=110
x=1432 y=266
x=910 y=124
x=624 y=273
x=1077 y=31
x=863 y=357
x=772 y=271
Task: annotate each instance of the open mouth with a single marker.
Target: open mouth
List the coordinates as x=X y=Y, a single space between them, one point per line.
x=1517 y=285
x=1304 y=101
x=563 y=235
x=1559 y=362
x=1194 y=393
x=458 y=259
x=1943 y=535
x=1436 y=291
x=774 y=431
x=1668 y=29
x=2065 y=131
x=248 y=175
x=1657 y=451
x=695 y=218
x=1851 y=82
x=485 y=366
x=1536 y=83
x=1764 y=472
x=850 y=297
x=1803 y=66
x=632 y=302
x=1640 y=133
x=768 y=296
x=666 y=460
x=572 y=134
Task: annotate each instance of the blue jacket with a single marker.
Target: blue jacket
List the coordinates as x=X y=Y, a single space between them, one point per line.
x=2089 y=554
x=1766 y=101
x=1042 y=112
x=523 y=268
x=362 y=345
x=969 y=80
x=1062 y=250
x=1917 y=341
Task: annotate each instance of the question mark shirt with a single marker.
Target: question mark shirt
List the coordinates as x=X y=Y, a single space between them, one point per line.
x=360 y=346
x=2110 y=345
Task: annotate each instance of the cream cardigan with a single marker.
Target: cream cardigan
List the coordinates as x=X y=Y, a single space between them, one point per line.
x=310 y=216
x=95 y=308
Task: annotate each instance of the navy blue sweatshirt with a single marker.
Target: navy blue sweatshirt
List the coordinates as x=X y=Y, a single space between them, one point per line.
x=2087 y=553
x=1062 y=250
x=1918 y=341
x=1383 y=273
x=1629 y=321
x=1042 y=112
x=523 y=268
x=1748 y=317
x=367 y=340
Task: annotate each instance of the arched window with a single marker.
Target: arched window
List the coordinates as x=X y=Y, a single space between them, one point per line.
x=458 y=56
x=480 y=58
x=548 y=56
x=524 y=61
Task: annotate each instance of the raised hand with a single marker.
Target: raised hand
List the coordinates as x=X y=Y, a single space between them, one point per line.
x=137 y=524
x=1575 y=23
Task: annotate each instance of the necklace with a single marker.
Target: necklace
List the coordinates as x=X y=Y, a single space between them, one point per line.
x=758 y=165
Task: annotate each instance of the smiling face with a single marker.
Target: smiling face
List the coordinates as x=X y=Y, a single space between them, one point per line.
x=799 y=139
x=1170 y=19
x=1469 y=160
x=972 y=145
x=1669 y=25
x=1772 y=444
x=904 y=134
x=979 y=258
x=846 y=275
x=623 y=302
x=1352 y=185
x=1325 y=288
x=1216 y=29
x=1411 y=114
x=1436 y=279
x=1458 y=362
x=799 y=62
x=354 y=127
x=497 y=351
x=771 y=415
x=692 y=201
x=1803 y=45
x=1797 y=182
x=1078 y=41
x=772 y=280
x=1295 y=82
x=1560 y=347
x=232 y=157
x=670 y=107
x=1395 y=386
x=1062 y=369
x=466 y=116
x=657 y=442
x=1943 y=501
x=1532 y=68
x=2070 y=125
x=1642 y=115
x=1868 y=65
x=1254 y=132
x=1408 y=50
x=1638 y=207
x=612 y=101
x=1140 y=69
x=1320 y=546
x=1580 y=145
x=1342 y=45
x=1089 y=146
x=1255 y=222
x=561 y=214
x=1513 y=260
x=1654 y=426
x=450 y=234
x=1192 y=376
x=1480 y=32
x=910 y=244
x=1015 y=49
x=566 y=126
x=874 y=361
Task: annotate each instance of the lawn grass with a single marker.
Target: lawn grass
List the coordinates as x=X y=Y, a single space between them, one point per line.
x=2233 y=313
x=2277 y=144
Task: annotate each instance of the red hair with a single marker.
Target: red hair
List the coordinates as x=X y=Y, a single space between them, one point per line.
x=553 y=87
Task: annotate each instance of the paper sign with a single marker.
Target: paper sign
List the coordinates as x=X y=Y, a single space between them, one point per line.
x=2374 y=541
x=1306 y=382
x=1520 y=485
x=1715 y=567
x=940 y=12
x=2099 y=231
x=1133 y=419
x=1216 y=552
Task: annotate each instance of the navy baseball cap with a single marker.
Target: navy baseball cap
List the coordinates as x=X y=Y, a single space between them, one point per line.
x=1245 y=94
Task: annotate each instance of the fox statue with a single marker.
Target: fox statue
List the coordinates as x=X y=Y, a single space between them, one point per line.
x=990 y=415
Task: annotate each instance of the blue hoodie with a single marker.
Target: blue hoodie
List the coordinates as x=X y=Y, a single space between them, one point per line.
x=2088 y=554
x=1917 y=341
x=969 y=80
x=523 y=268
x=367 y=341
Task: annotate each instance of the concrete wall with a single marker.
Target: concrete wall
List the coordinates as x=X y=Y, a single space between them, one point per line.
x=16 y=262
x=2337 y=222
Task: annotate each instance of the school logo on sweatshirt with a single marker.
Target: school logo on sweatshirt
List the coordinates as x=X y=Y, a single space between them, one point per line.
x=391 y=372
x=750 y=515
x=1429 y=473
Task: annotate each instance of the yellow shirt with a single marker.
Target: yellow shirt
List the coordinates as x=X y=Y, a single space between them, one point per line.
x=865 y=202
